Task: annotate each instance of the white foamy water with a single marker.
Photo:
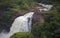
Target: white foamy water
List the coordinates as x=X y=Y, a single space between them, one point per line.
x=20 y=24
x=46 y=7
x=23 y=23
x=4 y=34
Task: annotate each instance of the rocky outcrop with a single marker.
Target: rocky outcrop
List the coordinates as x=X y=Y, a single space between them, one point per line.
x=39 y=11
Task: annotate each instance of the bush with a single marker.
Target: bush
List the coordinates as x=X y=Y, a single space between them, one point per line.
x=21 y=35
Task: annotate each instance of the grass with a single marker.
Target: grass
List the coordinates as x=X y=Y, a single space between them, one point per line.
x=21 y=35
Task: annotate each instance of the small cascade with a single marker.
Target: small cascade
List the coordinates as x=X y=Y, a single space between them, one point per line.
x=45 y=7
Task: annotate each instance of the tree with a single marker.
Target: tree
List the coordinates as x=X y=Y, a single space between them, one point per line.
x=50 y=28
x=9 y=10
x=51 y=1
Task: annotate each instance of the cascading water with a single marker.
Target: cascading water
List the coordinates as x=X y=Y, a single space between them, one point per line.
x=45 y=7
x=21 y=24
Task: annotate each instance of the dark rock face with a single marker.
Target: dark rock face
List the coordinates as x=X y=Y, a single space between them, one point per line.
x=38 y=17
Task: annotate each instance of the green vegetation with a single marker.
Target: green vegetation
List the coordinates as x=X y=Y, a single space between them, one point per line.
x=51 y=26
x=21 y=35
x=10 y=9
x=51 y=1
x=50 y=29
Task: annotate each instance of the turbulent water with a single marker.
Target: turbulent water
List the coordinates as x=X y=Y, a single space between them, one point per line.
x=21 y=24
x=46 y=7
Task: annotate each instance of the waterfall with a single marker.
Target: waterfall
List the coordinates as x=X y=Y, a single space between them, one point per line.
x=23 y=23
x=20 y=24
